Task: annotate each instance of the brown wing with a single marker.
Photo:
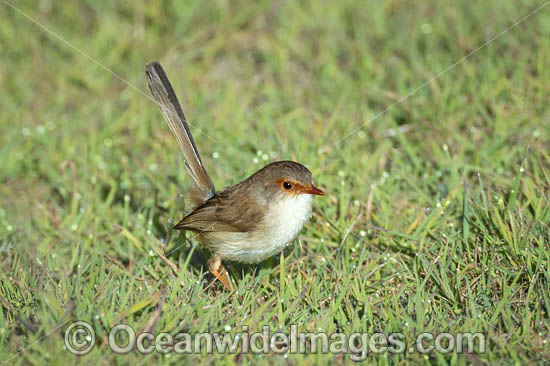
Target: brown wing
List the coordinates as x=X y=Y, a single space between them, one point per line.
x=225 y=212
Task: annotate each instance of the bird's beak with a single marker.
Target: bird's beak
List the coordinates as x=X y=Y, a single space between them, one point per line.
x=314 y=190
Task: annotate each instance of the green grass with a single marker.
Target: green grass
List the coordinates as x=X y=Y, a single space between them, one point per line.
x=437 y=214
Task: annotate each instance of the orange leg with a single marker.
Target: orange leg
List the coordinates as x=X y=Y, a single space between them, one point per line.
x=218 y=270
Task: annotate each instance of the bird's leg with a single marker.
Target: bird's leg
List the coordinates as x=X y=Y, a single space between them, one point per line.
x=218 y=270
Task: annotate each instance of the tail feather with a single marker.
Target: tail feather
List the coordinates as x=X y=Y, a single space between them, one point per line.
x=173 y=113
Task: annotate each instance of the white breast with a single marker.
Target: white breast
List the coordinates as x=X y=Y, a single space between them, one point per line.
x=282 y=224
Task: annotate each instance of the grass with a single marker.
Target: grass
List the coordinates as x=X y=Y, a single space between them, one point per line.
x=437 y=214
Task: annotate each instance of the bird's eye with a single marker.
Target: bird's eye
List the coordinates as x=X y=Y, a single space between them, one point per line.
x=287 y=185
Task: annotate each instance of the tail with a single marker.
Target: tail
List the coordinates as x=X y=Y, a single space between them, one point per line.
x=169 y=106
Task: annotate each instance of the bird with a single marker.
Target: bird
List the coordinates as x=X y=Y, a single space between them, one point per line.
x=246 y=222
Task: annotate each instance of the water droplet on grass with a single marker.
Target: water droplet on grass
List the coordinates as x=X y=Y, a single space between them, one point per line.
x=426 y=28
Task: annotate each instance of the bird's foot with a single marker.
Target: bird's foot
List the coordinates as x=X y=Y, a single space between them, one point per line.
x=218 y=270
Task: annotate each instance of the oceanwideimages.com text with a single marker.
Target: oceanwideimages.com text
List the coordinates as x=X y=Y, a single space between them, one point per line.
x=80 y=339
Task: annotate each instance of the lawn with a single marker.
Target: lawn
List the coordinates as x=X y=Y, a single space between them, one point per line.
x=427 y=123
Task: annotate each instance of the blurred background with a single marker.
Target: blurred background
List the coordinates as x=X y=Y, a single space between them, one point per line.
x=426 y=122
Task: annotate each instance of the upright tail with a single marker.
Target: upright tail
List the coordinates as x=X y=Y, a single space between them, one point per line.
x=169 y=106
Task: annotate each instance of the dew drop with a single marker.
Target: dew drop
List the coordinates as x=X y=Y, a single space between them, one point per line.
x=426 y=28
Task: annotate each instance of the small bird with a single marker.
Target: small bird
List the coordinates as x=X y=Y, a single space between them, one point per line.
x=246 y=222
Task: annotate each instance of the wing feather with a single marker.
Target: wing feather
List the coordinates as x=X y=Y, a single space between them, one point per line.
x=225 y=212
